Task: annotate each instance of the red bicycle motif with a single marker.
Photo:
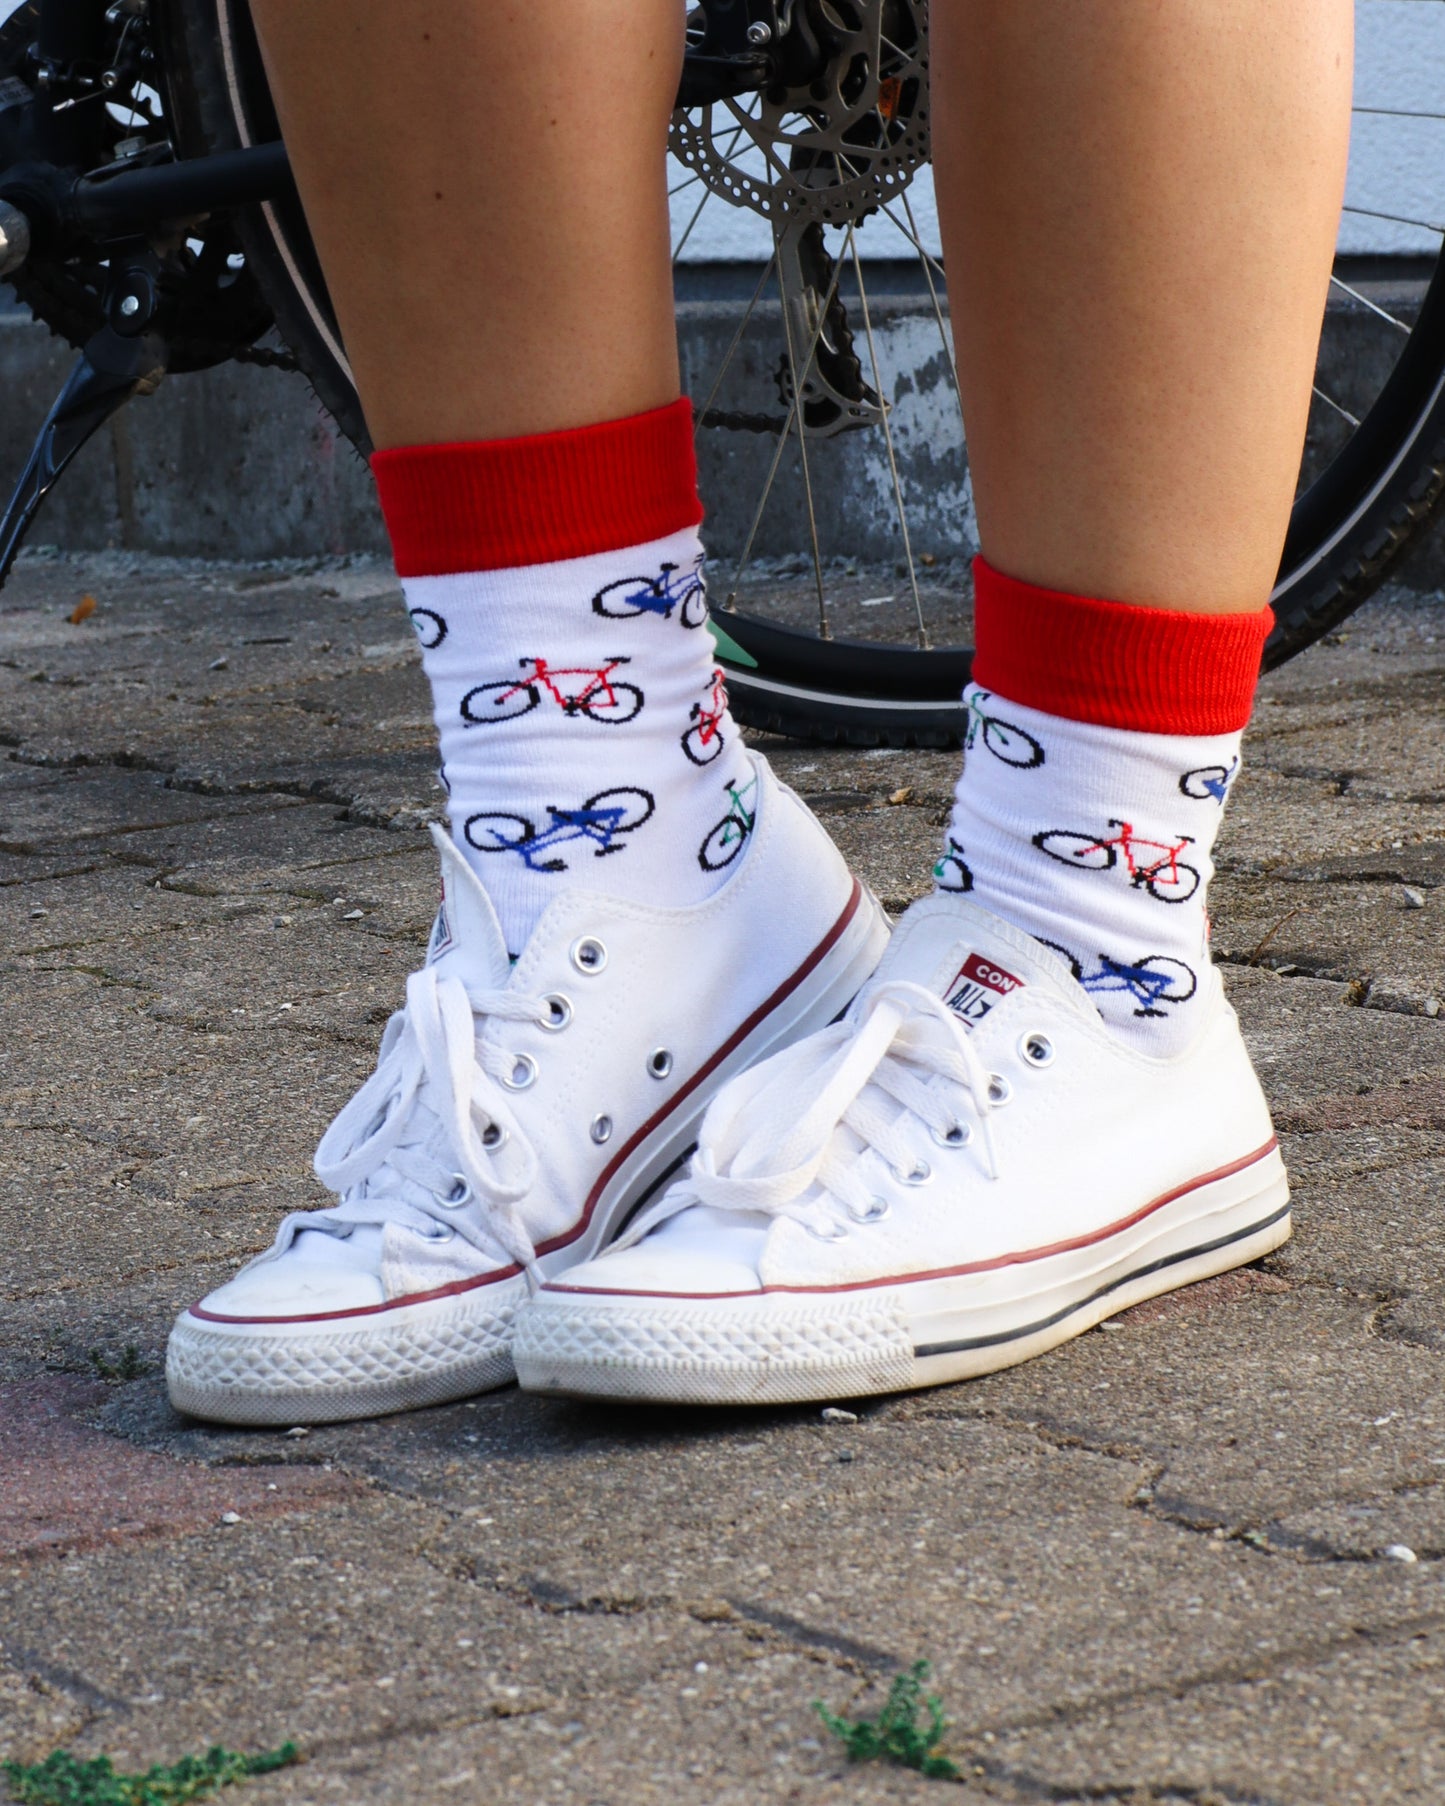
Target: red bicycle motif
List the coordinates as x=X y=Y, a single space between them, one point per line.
x=703 y=741
x=1166 y=876
x=598 y=697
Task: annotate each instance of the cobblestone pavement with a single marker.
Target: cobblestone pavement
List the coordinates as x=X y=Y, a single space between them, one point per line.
x=1197 y=1555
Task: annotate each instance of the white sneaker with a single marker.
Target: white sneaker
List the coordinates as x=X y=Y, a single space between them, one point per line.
x=516 y=1117
x=966 y=1171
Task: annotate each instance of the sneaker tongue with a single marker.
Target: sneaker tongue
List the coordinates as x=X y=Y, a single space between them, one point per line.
x=466 y=938
x=980 y=965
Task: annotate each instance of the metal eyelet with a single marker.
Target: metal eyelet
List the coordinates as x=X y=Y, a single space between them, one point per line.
x=835 y=1232
x=440 y=1234
x=957 y=1135
x=494 y=1136
x=920 y=1174
x=460 y=1193
x=1037 y=1050
x=588 y=955
x=523 y=1073
x=659 y=1062
x=601 y=1129
x=878 y=1208
x=559 y=1012
x=999 y=1089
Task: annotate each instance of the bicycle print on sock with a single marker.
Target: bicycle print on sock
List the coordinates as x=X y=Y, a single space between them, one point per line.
x=1007 y=741
x=1151 y=865
x=678 y=589
x=1152 y=982
x=952 y=872
x=598 y=696
x=1209 y=783
x=703 y=740
x=725 y=839
x=599 y=822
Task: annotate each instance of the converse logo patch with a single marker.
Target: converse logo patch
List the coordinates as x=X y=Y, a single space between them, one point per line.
x=976 y=987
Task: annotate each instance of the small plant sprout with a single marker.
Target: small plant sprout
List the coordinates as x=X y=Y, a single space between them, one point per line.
x=66 y=1780
x=896 y=1735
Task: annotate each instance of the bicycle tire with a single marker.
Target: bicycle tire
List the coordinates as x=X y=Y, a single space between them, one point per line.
x=600 y=801
x=429 y=626
x=1346 y=530
x=610 y=714
x=505 y=688
x=707 y=749
x=1170 y=893
x=728 y=847
x=1083 y=844
x=527 y=832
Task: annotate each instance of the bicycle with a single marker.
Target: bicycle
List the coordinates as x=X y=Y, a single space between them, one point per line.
x=1209 y=782
x=952 y=871
x=599 y=822
x=703 y=741
x=1166 y=878
x=725 y=840
x=599 y=698
x=1153 y=981
x=1002 y=738
x=660 y=595
x=148 y=217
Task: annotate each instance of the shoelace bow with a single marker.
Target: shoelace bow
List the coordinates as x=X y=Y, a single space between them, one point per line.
x=770 y=1141
x=435 y=1092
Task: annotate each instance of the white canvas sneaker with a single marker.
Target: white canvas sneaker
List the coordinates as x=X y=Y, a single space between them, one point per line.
x=967 y=1170
x=516 y=1116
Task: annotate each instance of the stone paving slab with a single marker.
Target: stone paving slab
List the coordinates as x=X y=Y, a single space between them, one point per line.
x=1150 y=1568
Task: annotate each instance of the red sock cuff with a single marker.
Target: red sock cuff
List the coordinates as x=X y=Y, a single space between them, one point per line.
x=1114 y=664
x=498 y=502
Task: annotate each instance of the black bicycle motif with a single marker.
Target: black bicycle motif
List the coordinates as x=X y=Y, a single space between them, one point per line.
x=1165 y=877
x=725 y=841
x=431 y=629
x=1208 y=782
x=598 y=696
x=599 y=822
x=675 y=588
x=951 y=872
x=1003 y=739
x=1152 y=981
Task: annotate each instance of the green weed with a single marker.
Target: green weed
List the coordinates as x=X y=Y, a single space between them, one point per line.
x=65 y=1780
x=128 y=1365
x=895 y=1735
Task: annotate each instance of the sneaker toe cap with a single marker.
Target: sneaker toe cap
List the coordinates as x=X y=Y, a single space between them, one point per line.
x=655 y=1269
x=286 y=1288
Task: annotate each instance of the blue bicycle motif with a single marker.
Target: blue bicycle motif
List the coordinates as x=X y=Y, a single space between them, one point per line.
x=676 y=587
x=599 y=822
x=1209 y=781
x=1152 y=981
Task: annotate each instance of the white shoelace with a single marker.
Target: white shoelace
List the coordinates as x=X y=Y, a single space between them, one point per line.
x=770 y=1141
x=419 y=1142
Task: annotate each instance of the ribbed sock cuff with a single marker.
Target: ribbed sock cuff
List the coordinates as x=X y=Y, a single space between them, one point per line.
x=497 y=503
x=1114 y=664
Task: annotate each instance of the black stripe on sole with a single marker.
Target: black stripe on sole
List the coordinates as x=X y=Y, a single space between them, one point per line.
x=1156 y=1266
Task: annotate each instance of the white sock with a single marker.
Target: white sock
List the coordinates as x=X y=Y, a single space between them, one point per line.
x=1097 y=840
x=584 y=732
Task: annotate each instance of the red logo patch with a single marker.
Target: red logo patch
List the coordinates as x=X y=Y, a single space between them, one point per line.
x=976 y=987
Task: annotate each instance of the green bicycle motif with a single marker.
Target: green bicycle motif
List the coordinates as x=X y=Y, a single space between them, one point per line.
x=725 y=841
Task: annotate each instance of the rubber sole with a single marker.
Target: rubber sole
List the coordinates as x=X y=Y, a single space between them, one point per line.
x=783 y=1347
x=435 y=1349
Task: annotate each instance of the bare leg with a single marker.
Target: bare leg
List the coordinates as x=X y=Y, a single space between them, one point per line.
x=1139 y=204
x=486 y=186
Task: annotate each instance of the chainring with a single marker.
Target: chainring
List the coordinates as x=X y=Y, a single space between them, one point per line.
x=214 y=309
x=843 y=136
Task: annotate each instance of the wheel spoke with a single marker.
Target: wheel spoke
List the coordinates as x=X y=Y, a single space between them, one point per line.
x=1398 y=219
x=801 y=420
x=1365 y=301
x=737 y=337
x=888 y=439
x=1330 y=401
x=925 y=260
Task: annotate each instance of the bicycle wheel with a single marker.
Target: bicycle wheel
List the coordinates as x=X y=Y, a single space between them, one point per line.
x=628 y=598
x=811 y=368
x=617 y=703
x=702 y=750
x=431 y=629
x=498 y=832
x=1086 y=851
x=634 y=806
x=1171 y=881
x=723 y=844
x=1011 y=744
x=693 y=607
x=503 y=701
